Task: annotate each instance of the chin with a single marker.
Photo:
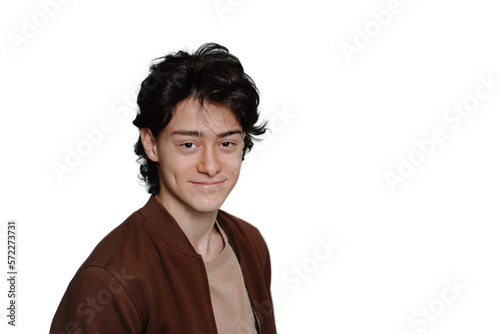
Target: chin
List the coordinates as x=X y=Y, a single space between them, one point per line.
x=209 y=206
x=206 y=209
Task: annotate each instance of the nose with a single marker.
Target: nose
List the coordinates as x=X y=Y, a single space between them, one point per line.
x=209 y=162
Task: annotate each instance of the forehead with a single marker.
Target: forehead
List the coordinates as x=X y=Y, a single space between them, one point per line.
x=189 y=114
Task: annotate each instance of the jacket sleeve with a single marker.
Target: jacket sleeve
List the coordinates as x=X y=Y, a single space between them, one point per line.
x=267 y=268
x=96 y=301
x=264 y=256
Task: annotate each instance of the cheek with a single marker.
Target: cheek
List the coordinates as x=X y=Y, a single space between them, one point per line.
x=234 y=166
x=174 y=169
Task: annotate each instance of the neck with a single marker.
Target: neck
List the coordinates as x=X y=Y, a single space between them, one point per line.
x=199 y=227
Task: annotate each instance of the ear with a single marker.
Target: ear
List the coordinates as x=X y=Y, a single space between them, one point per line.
x=149 y=144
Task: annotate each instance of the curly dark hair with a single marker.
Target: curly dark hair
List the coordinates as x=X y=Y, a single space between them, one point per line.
x=211 y=74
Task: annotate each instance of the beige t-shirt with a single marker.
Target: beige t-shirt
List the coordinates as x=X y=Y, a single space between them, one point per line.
x=230 y=301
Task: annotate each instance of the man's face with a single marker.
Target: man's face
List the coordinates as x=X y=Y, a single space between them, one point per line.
x=199 y=156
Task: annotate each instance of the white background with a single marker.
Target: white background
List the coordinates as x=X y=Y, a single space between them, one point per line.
x=319 y=177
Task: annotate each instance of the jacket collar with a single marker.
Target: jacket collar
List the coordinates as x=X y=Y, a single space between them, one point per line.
x=170 y=230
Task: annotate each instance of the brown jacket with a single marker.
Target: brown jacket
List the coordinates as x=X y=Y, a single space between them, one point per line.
x=145 y=277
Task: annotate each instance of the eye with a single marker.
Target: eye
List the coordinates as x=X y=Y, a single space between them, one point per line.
x=227 y=144
x=188 y=145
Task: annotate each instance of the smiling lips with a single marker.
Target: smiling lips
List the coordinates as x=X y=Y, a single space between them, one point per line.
x=208 y=184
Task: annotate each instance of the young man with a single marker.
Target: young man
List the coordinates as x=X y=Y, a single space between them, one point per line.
x=179 y=264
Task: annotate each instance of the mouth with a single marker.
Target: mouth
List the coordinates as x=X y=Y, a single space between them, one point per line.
x=208 y=185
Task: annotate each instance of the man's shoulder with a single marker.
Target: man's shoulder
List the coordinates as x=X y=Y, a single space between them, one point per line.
x=119 y=245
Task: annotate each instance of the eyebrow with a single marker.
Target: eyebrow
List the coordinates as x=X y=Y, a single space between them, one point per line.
x=201 y=134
